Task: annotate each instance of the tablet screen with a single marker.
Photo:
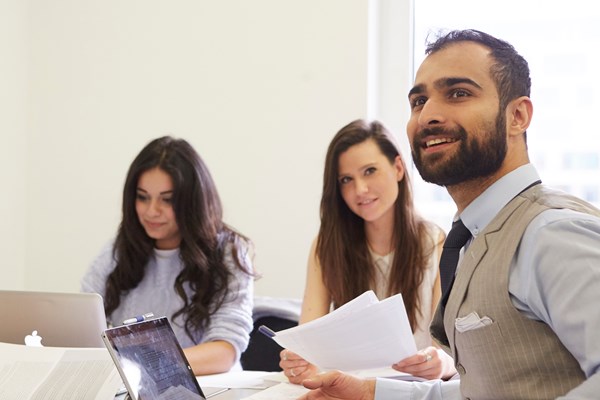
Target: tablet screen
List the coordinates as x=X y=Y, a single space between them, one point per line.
x=151 y=361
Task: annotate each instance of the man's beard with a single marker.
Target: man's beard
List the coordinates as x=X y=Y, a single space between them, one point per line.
x=477 y=157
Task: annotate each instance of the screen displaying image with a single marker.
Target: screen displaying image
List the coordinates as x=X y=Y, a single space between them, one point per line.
x=152 y=362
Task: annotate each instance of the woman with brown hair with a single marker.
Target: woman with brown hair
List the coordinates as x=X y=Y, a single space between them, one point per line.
x=371 y=238
x=175 y=256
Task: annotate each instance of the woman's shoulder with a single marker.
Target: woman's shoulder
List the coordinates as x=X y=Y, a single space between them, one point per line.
x=238 y=242
x=106 y=258
x=240 y=248
x=433 y=233
x=95 y=277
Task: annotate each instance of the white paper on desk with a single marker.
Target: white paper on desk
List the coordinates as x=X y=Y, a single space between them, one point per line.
x=386 y=372
x=235 y=380
x=282 y=391
x=365 y=333
x=58 y=373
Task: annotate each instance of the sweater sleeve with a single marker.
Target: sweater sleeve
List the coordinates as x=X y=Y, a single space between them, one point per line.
x=232 y=322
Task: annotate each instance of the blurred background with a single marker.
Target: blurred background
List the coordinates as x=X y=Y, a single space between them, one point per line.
x=259 y=88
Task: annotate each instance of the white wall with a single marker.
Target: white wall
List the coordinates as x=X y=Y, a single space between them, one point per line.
x=258 y=87
x=13 y=139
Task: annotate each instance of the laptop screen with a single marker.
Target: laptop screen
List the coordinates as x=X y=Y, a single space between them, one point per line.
x=151 y=361
x=51 y=318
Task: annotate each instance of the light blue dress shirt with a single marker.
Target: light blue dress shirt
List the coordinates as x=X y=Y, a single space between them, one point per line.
x=554 y=278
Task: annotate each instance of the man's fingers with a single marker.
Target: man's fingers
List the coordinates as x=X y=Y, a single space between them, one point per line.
x=312 y=383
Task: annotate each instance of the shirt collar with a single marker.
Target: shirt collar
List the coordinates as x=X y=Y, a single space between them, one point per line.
x=488 y=204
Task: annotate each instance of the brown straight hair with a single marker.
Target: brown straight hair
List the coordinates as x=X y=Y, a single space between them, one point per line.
x=342 y=249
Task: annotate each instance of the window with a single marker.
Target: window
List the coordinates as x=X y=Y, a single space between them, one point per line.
x=581 y=160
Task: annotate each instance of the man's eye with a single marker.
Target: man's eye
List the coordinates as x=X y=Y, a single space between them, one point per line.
x=459 y=93
x=417 y=102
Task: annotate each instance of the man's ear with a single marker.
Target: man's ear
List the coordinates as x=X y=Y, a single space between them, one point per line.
x=518 y=115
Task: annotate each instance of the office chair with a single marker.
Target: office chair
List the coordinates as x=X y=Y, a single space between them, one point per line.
x=262 y=353
x=278 y=314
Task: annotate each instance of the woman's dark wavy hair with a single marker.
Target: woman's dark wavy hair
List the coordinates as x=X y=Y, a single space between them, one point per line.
x=204 y=235
x=510 y=70
x=342 y=248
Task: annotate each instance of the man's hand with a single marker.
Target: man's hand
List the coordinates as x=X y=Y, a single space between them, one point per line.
x=337 y=385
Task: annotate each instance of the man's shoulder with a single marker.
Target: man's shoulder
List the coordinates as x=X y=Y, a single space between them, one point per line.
x=552 y=198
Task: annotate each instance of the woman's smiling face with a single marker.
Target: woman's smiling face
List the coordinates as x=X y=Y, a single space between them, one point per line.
x=369 y=181
x=154 y=208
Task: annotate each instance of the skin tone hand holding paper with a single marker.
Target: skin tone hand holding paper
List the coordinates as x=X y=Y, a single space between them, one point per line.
x=371 y=232
x=531 y=270
x=174 y=256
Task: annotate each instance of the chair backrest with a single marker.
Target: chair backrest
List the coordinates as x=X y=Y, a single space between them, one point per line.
x=262 y=353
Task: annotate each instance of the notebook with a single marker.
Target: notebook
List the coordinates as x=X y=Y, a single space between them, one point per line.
x=151 y=361
x=52 y=319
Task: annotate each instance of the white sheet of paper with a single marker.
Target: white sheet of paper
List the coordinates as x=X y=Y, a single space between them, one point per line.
x=282 y=391
x=235 y=379
x=363 y=334
x=56 y=372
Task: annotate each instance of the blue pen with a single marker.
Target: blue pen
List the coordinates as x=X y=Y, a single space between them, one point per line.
x=266 y=331
x=138 y=318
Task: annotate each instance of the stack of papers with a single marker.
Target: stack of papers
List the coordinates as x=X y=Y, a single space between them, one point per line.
x=30 y=373
x=363 y=334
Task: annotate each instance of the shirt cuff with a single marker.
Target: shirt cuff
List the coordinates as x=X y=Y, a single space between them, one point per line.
x=386 y=389
x=389 y=389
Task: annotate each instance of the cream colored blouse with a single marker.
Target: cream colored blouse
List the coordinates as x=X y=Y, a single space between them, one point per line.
x=382 y=273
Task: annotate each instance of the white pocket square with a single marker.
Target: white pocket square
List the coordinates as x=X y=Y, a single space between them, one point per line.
x=470 y=322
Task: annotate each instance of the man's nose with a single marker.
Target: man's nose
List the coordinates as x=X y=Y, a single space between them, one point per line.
x=432 y=113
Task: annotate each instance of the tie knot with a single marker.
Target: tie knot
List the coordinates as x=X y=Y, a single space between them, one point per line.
x=458 y=235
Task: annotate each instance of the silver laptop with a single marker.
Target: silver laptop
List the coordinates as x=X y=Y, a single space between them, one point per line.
x=52 y=319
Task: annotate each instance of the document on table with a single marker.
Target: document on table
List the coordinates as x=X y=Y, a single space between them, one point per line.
x=365 y=333
x=236 y=380
x=32 y=373
x=282 y=391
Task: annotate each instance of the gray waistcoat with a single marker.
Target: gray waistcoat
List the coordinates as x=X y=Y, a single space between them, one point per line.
x=514 y=357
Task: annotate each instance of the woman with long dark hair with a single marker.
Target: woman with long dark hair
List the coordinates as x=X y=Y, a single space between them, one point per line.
x=372 y=238
x=174 y=256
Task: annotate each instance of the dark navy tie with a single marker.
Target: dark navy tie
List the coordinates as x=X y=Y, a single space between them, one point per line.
x=457 y=238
